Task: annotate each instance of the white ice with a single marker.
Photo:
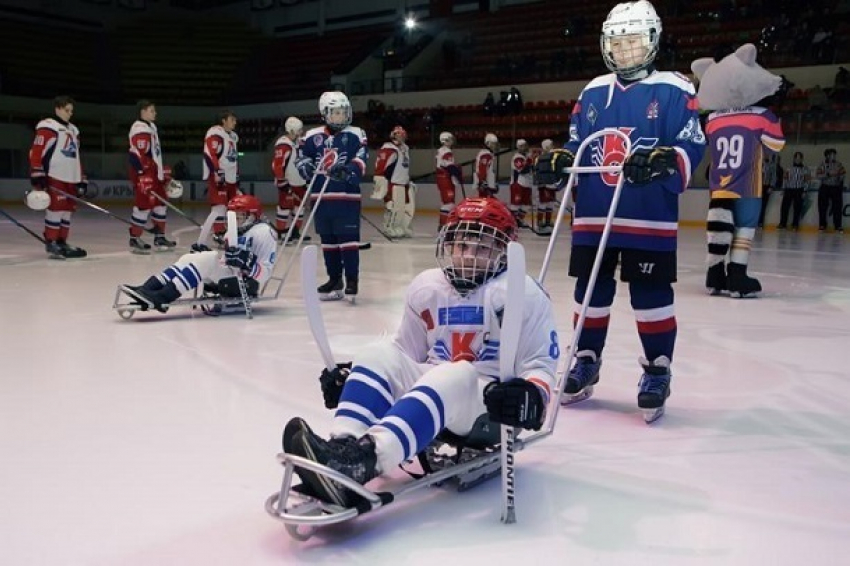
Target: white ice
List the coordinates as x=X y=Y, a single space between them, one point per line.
x=153 y=440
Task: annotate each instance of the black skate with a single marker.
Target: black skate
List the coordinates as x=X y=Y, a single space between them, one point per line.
x=741 y=285
x=139 y=246
x=351 y=288
x=54 y=250
x=148 y=298
x=197 y=248
x=353 y=458
x=163 y=244
x=654 y=388
x=71 y=252
x=332 y=290
x=715 y=280
x=582 y=378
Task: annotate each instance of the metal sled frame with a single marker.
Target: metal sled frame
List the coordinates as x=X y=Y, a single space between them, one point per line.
x=213 y=304
x=301 y=513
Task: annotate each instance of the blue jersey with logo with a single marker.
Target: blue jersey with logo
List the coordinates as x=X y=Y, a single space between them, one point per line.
x=659 y=110
x=351 y=151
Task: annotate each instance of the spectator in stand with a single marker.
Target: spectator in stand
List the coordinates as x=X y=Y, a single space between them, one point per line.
x=795 y=182
x=841 y=88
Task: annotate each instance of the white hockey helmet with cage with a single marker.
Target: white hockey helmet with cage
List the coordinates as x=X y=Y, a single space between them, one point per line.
x=293 y=126
x=38 y=200
x=491 y=141
x=335 y=109
x=447 y=138
x=630 y=38
x=472 y=247
x=174 y=189
x=521 y=145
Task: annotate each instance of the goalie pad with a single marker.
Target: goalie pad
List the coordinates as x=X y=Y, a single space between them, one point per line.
x=410 y=207
x=381 y=188
x=38 y=200
x=174 y=189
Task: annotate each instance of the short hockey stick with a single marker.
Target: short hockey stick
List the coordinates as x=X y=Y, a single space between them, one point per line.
x=22 y=227
x=232 y=241
x=175 y=209
x=508 y=345
x=99 y=209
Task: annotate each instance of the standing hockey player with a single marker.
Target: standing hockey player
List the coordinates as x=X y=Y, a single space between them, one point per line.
x=546 y=196
x=659 y=112
x=392 y=184
x=55 y=167
x=290 y=185
x=148 y=177
x=338 y=213
x=484 y=173
x=742 y=136
x=449 y=176
x=221 y=172
x=253 y=256
x=439 y=372
x=521 y=181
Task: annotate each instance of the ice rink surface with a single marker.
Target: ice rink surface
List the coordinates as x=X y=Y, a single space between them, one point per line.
x=153 y=440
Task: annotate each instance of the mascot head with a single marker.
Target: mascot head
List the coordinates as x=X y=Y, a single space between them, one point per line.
x=737 y=81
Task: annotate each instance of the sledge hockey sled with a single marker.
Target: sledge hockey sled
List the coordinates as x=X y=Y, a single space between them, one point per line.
x=205 y=298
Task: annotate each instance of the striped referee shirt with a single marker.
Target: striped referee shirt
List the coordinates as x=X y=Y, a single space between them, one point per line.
x=797 y=177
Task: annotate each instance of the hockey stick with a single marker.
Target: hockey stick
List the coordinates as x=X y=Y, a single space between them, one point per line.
x=461 y=165
x=99 y=209
x=22 y=227
x=232 y=240
x=309 y=284
x=375 y=226
x=508 y=344
x=175 y=209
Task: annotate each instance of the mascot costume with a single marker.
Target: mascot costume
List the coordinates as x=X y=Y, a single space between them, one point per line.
x=739 y=132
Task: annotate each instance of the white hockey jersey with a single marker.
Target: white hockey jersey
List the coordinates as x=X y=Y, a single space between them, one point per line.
x=221 y=153
x=394 y=163
x=56 y=151
x=439 y=325
x=286 y=155
x=261 y=239
x=484 y=172
x=145 y=146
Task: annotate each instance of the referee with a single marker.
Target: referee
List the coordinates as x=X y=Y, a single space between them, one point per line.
x=797 y=178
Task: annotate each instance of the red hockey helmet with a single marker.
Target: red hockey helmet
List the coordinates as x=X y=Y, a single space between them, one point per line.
x=247 y=208
x=473 y=245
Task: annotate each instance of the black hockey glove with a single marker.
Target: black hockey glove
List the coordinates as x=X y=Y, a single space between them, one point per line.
x=240 y=258
x=38 y=179
x=339 y=172
x=645 y=165
x=515 y=402
x=552 y=167
x=332 y=383
x=306 y=168
x=82 y=188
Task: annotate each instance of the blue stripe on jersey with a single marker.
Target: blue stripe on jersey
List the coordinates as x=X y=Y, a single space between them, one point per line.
x=460 y=315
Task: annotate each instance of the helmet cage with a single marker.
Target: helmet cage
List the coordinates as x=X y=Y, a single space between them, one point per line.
x=471 y=253
x=625 y=22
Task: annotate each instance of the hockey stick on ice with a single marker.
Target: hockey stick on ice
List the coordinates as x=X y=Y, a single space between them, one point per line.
x=232 y=240
x=508 y=344
x=99 y=209
x=175 y=209
x=375 y=226
x=22 y=227
x=309 y=263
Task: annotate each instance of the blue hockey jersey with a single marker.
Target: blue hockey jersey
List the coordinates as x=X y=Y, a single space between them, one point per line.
x=659 y=110
x=351 y=151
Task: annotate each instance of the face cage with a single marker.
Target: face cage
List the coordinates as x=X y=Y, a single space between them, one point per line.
x=341 y=122
x=650 y=42
x=244 y=221
x=471 y=253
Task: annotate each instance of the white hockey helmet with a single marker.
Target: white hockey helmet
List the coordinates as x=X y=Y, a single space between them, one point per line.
x=630 y=36
x=547 y=145
x=37 y=200
x=174 y=189
x=521 y=145
x=293 y=126
x=447 y=138
x=335 y=109
x=491 y=141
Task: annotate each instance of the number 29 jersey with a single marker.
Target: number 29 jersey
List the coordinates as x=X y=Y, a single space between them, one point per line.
x=440 y=326
x=738 y=138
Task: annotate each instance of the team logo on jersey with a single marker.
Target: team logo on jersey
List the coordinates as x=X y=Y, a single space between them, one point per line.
x=692 y=132
x=652 y=110
x=329 y=159
x=70 y=149
x=725 y=180
x=610 y=149
x=592 y=114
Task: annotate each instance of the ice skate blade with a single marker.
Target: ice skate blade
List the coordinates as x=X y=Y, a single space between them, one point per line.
x=352 y=299
x=717 y=292
x=583 y=395
x=164 y=248
x=57 y=256
x=332 y=296
x=140 y=252
x=739 y=295
x=652 y=415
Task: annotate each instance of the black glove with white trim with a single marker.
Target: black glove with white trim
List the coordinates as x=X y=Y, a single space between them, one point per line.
x=645 y=165
x=515 y=402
